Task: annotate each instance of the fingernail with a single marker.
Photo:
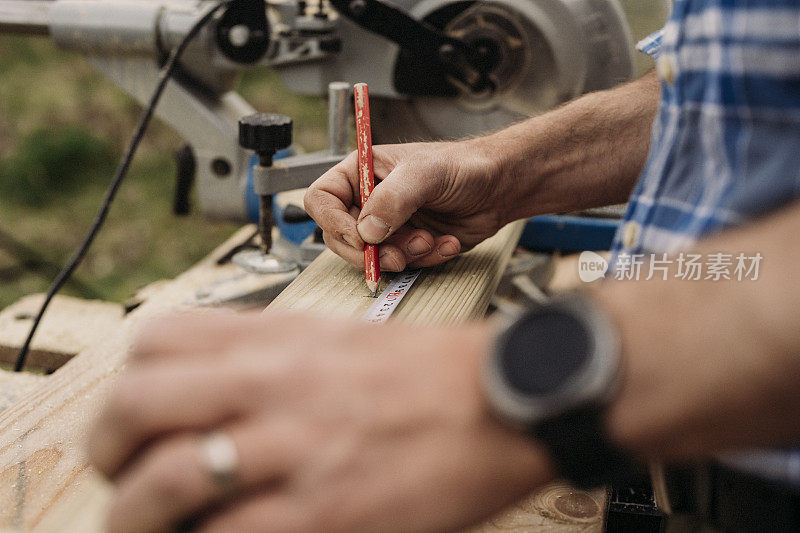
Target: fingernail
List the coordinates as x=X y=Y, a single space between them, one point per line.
x=418 y=246
x=389 y=262
x=447 y=249
x=373 y=229
x=349 y=240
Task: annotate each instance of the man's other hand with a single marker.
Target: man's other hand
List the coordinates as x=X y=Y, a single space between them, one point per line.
x=332 y=433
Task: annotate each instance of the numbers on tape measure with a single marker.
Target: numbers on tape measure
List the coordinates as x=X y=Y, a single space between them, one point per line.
x=390 y=298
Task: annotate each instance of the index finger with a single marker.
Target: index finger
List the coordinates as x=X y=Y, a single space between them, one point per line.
x=329 y=199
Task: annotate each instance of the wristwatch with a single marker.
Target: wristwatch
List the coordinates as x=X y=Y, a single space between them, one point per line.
x=551 y=374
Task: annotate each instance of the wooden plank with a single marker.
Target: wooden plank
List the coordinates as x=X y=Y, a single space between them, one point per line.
x=69 y=326
x=84 y=511
x=456 y=291
x=16 y=385
x=555 y=507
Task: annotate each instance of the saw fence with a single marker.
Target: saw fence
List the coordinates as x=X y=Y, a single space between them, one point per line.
x=46 y=484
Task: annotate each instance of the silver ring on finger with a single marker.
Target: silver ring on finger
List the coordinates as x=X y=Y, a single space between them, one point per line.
x=220 y=459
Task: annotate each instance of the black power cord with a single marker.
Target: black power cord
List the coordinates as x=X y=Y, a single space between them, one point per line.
x=122 y=170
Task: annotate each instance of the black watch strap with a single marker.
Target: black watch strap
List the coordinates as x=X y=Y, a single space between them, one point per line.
x=583 y=454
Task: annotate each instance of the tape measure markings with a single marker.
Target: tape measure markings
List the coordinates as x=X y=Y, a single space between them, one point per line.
x=382 y=308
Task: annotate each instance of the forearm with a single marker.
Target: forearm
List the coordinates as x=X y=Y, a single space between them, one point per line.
x=710 y=366
x=584 y=154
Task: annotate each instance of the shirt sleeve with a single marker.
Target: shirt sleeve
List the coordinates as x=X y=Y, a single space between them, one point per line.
x=651 y=45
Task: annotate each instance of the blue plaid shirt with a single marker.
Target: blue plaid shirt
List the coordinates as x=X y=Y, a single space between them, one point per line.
x=726 y=140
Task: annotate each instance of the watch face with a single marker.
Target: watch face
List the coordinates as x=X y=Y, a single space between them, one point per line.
x=555 y=358
x=543 y=353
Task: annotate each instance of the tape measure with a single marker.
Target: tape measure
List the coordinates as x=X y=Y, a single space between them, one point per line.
x=382 y=308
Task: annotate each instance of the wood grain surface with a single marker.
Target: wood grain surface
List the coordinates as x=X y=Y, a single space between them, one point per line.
x=16 y=385
x=69 y=326
x=454 y=292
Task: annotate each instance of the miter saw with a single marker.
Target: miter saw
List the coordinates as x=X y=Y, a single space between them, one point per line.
x=435 y=68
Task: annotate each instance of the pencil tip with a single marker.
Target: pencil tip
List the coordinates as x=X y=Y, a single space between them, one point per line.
x=372 y=286
x=375 y=293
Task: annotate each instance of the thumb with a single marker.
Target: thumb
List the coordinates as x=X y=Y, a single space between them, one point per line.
x=392 y=203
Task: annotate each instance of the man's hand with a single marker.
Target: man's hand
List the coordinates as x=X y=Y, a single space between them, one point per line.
x=431 y=201
x=434 y=200
x=331 y=433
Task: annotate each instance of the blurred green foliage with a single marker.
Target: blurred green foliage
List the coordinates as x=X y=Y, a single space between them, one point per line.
x=63 y=127
x=53 y=164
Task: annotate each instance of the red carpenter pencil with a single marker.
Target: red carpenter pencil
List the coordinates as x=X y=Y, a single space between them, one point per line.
x=366 y=178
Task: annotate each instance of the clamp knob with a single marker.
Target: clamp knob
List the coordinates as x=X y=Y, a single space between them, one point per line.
x=265 y=134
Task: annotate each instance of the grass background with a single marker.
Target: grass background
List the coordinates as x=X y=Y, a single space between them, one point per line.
x=62 y=129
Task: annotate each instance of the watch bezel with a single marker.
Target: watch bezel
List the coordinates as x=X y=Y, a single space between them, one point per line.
x=593 y=382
